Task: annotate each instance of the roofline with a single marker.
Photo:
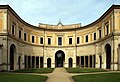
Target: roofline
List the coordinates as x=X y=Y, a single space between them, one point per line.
x=91 y=24
x=16 y=15
x=105 y=14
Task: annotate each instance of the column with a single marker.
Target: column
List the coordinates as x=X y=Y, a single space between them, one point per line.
x=92 y=61
x=84 y=62
x=34 y=61
x=88 y=61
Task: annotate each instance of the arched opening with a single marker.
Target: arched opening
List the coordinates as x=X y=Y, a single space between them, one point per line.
x=37 y=62
x=82 y=61
x=70 y=62
x=59 y=58
x=100 y=57
x=33 y=61
x=108 y=56
x=49 y=63
x=29 y=61
x=19 y=59
x=12 y=55
x=41 y=62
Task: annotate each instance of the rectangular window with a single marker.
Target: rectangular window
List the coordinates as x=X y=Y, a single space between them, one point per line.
x=25 y=37
x=86 y=38
x=70 y=40
x=94 y=36
x=100 y=33
x=41 y=40
x=49 y=41
x=13 y=29
x=33 y=39
x=59 y=40
x=20 y=34
x=78 y=40
x=107 y=29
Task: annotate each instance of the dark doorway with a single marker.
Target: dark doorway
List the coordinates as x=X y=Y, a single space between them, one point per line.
x=82 y=61
x=70 y=62
x=19 y=59
x=25 y=60
x=91 y=61
x=108 y=56
x=59 y=58
x=86 y=61
x=37 y=62
x=41 y=62
x=12 y=55
x=29 y=61
x=100 y=61
x=49 y=63
x=33 y=61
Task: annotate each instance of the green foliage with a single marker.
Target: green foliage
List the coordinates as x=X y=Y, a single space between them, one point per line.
x=109 y=77
x=4 y=77
x=84 y=70
x=38 y=70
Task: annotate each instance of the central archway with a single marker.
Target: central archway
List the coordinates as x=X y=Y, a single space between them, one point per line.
x=12 y=56
x=108 y=56
x=59 y=58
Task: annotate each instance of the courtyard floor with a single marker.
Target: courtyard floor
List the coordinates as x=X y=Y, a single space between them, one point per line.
x=61 y=75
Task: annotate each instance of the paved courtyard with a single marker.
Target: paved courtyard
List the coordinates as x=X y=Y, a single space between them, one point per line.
x=59 y=75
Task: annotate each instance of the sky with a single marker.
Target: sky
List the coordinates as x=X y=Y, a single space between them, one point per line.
x=66 y=11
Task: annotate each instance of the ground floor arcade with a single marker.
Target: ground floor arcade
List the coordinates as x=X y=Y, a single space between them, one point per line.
x=59 y=59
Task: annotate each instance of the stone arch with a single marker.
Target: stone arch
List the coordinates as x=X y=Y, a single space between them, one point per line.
x=108 y=56
x=12 y=56
x=59 y=58
x=49 y=63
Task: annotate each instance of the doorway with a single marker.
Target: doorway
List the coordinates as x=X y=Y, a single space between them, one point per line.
x=59 y=58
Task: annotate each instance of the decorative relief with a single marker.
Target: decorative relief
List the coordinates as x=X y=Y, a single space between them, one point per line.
x=59 y=34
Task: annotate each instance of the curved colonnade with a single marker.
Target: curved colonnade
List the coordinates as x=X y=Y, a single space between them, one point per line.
x=26 y=46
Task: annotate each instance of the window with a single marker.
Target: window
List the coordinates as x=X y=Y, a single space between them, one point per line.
x=100 y=33
x=59 y=40
x=94 y=36
x=13 y=29
x=49 y=41
x=107 y=29
x=78 y=40
x=20 y=34
x=86 y=38
x=33 y=39
x=25 y=36
x=41 y=40
x=70 y=40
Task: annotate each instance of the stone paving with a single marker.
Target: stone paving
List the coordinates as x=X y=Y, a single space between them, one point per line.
x=59 y=75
